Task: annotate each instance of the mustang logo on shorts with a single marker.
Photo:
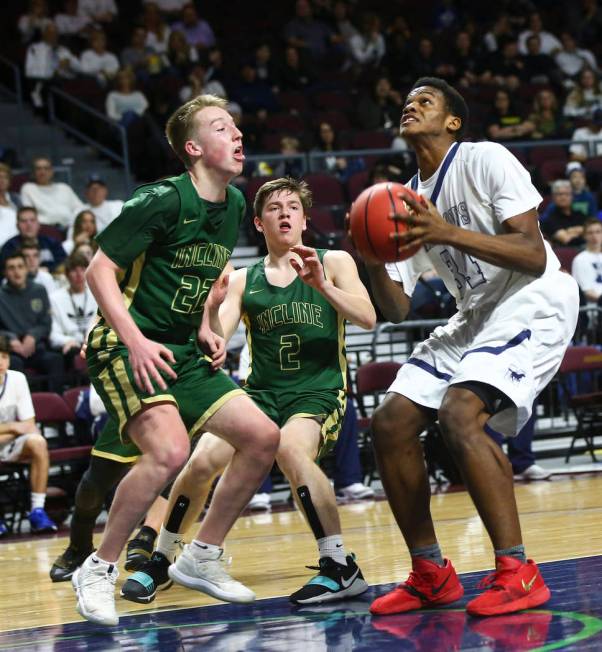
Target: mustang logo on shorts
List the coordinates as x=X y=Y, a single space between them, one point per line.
x=516 y=376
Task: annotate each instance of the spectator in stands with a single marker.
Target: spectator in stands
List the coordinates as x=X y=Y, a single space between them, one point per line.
x=179 y=56
x=55 y=202
x=505 y=67
x=45 y=60
x=289 y=167
x=86 y=249
x=83 y=232
x=31 y=253
x=465 y=60
x=506 y=123
x=264 y=64
x=197 y=32
x=71 y=24
x=9 y=202
x=198 y=84
x=105 y=210
x=124 y=103
x=32 y=24
x=587 y=265
x=584 y=201
x=20 y=440
x=294 y=73
x=73 y=309
x=139 y=56
x=157 y=31
x=25 y=320
x=169 y=8
x=340 y=166
x=368 y=47
x=97 y=61
x=539 y=68
x=572 y=60
x=311 y=36
x=587 y=139
x=102 y=12
x=252 y=93
x=546 y=116
x=52 y=253
x=586 y=97
x=500 y=31
x=382 y=108
x=549 y=43
x=563 y=226
x=585 y=19
x=343 y=29
x=425 y=62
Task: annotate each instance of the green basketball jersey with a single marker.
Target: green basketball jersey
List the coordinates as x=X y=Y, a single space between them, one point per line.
x=296 y=338
x=172 y=245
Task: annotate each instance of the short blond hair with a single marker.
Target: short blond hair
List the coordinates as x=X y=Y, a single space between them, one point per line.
x=180 y=125
x=288 y=184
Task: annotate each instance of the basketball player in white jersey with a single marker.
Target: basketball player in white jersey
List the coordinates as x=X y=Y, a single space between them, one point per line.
x=516 y=315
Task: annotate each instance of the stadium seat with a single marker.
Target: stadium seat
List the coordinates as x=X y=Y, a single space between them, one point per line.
x=333 y=101
x=253 y=185
x=586 y=363
x=566 y=256
x=371 y=140
x=356 y=183
x=327 y=190
x=286 y=122
x=372 y=379
x=539 y=155
x=336 y=119
x=552 y=169
x=52 y=412
x=294 y=101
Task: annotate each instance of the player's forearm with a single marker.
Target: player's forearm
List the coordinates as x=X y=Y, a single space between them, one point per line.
x=389 y=296
x=8 y=428
x=354 y=308
x=103 y=284
x=514 y=251
x=592 y=295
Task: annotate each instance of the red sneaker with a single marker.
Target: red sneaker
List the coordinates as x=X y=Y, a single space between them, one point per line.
x=428 y=585
x=511 y=587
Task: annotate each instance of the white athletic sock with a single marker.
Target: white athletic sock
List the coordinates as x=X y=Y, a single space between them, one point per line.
x=202 y=550
x=333 y=547
x=37 y=501
x=168 y=543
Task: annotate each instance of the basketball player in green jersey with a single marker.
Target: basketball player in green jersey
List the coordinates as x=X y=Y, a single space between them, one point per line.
x=294 y=305
x=156 y=264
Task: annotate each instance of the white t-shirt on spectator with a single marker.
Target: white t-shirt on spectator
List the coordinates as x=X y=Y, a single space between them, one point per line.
x=587 y=135
x=549 y=43
x=56 y=203
x=92 y=63
x=572 y=62
x=47 y=280
x=15 y=402
x=168 y=6
x=8 y=223
x=587 y=271
x=97 y=407
x=158 y=45
x=91 y=8
x=67 y=24
x=118 y=103
x=71 y=316
x=106 y=212
x=42 y=61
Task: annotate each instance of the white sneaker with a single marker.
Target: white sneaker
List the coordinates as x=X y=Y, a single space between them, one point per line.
x=533 y=472
x=94 y=584
x=356 y=491
x=260 y=502
x=205 y=572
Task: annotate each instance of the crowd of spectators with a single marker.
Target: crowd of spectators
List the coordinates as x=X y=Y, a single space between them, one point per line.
x=310 y=77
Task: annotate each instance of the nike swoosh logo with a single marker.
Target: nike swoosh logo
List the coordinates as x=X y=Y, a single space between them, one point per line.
x=347 y=583
x=255 y=291
x=437 y=589
x=187 y=221
x=529 y=585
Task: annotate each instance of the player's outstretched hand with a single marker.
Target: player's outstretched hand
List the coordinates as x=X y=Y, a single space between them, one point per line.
x=213 y=345
x=312 y=271
x=148 y=359
x=425 y=224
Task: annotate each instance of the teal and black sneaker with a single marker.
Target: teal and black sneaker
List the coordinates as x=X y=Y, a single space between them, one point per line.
x=140 y=548
x=334 y=582
x=151 y=577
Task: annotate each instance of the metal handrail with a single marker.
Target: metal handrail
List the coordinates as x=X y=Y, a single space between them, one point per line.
x=18 y=90
x=123 y=158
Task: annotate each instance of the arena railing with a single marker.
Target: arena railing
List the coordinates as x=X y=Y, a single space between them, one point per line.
x=10 y=80
x=58 y=101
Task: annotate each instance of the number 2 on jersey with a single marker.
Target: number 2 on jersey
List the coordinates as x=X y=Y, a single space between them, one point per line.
x=191 y=294
x=290 y=345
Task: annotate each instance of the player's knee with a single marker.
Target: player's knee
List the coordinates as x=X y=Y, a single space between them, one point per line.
x=202 y=467
x=265 y=443
x=459 y=423
x=169 y=460
x=288 y=459
x=37 y=446
x=387 y=431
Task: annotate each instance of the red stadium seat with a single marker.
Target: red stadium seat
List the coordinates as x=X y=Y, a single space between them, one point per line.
x=322 y=219
x=371 y=140
x=333 y=101
x=566 y=256
x=52 y=411
x=286 y=122
x=253 y=185
x=336 y=119
x=356 y=183
x=327 y=190
x=71 y=396
x=294 y=101
x=539 y=155
x=552 y=169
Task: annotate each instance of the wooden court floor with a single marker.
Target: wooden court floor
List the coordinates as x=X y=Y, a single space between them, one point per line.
x=561 y=519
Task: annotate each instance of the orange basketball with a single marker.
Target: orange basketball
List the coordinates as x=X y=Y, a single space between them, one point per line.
x=371 y=225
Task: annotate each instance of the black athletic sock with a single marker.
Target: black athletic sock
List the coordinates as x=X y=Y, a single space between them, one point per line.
x=146 y=532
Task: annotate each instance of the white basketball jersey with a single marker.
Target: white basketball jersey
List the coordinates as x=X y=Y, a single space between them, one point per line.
x=484 y=185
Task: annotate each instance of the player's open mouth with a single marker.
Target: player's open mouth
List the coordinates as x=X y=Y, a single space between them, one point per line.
x=238 y=153
x=406 y=119
x=284 y=227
